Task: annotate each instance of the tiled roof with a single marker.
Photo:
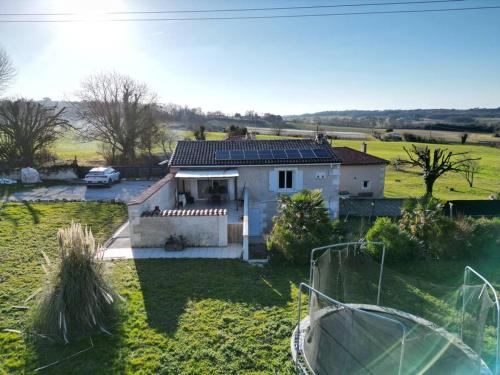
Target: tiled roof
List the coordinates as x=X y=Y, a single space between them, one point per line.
x=349 y=156
x=202 y=153
x=205 y=212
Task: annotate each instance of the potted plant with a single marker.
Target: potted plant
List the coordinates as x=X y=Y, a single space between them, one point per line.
x=175 y=243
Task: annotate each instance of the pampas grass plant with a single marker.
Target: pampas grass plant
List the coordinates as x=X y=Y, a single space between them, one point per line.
x=76 y=298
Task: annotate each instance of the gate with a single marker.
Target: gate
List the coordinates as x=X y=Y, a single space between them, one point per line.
x=235 y=233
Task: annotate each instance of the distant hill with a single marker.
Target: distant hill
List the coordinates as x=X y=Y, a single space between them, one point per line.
x=479 y=119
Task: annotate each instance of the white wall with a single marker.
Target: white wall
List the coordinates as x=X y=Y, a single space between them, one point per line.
x=263 y=195
x=198 y=231
x=161 y=194
x=352 y=177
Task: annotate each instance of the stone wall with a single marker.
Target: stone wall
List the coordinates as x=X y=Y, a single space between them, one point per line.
x=198 y=231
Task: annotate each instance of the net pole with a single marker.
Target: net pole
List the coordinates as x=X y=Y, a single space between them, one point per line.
x=497 y=306
x=381 y=274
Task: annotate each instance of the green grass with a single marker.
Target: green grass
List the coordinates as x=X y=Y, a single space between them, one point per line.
x=180 y=316
x=410 y=184
x=184 y=316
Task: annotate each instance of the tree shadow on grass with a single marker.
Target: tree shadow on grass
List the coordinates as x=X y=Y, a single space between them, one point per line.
x=168 y=285
x=35 y=213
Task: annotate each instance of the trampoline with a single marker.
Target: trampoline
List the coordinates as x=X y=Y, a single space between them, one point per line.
x=373 y=335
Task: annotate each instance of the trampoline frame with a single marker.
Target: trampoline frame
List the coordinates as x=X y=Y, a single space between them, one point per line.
x=345 y=306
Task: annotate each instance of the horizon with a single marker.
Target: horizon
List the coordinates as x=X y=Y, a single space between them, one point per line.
x=284 y=66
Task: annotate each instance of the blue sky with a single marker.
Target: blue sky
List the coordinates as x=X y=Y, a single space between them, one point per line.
x=285 y=66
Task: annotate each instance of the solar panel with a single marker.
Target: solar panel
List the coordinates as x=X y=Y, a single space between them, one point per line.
x=237 y=155
x=222 y=155
x=293 y=154
x=321 y=153
x=279 y=154
x=307 y=154
x=251 y=155
x=265 y=154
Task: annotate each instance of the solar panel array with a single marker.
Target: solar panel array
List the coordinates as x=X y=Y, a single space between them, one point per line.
x=271 y=154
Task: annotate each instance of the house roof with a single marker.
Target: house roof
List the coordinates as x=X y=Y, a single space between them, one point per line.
x=203 y=153
x=349 y=156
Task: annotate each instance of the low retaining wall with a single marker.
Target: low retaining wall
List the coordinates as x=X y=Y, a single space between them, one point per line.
x=62 y=174
x=200 y=228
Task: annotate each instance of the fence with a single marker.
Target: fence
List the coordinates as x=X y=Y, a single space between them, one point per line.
x=371 y=207
x=474 y=207
x=142 y=171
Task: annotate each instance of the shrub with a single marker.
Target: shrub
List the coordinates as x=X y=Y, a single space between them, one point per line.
x=423 y=219
x=486 y=236
x=399 y=244
x=302 y=224
x=76 y=298
x=463 y=238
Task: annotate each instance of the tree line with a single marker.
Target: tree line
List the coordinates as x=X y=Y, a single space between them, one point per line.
x=120 y=113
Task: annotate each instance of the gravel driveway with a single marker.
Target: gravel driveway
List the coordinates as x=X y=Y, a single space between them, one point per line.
x=123 y=191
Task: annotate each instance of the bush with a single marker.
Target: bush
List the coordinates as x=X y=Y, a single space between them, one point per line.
x=486 y=236
x=76 y=298
x=302 y=224
x=441 y=237
x=399 y=244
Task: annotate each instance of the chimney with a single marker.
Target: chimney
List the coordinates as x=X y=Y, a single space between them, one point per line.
x=364 y=146
x=319 y=138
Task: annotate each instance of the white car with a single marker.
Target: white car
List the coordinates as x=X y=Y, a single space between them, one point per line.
x=102 y=176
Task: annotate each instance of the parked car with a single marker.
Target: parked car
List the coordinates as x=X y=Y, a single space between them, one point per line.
x=102 y=176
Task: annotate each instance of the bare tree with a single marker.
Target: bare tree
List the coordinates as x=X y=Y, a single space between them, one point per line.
x=27 y=128
x=469 y=169
x=115 y=110
x=435 y=163
x=7 y=71
x=167 y=140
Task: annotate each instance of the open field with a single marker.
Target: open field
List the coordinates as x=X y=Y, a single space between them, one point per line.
x=180 y=316
x=409 y=183
x=447 y=136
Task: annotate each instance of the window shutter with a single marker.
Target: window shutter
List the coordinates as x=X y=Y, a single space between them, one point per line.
x=299 y=180
x=273 y=180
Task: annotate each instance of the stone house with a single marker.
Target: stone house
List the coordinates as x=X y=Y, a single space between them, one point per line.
x=221 y=193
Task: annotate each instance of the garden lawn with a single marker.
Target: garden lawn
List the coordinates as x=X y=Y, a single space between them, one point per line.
x=180 y=316
x=409 y=183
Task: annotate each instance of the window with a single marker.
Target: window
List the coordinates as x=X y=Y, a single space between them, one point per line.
x=285 y=180
x=366 y=184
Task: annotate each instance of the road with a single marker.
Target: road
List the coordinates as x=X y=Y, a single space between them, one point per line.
x=123 y=191
x=309 y=133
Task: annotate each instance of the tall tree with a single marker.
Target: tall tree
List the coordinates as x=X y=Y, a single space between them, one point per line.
x=28 y=127
x=435 y=163
x=7 y=71
x=116 y=110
